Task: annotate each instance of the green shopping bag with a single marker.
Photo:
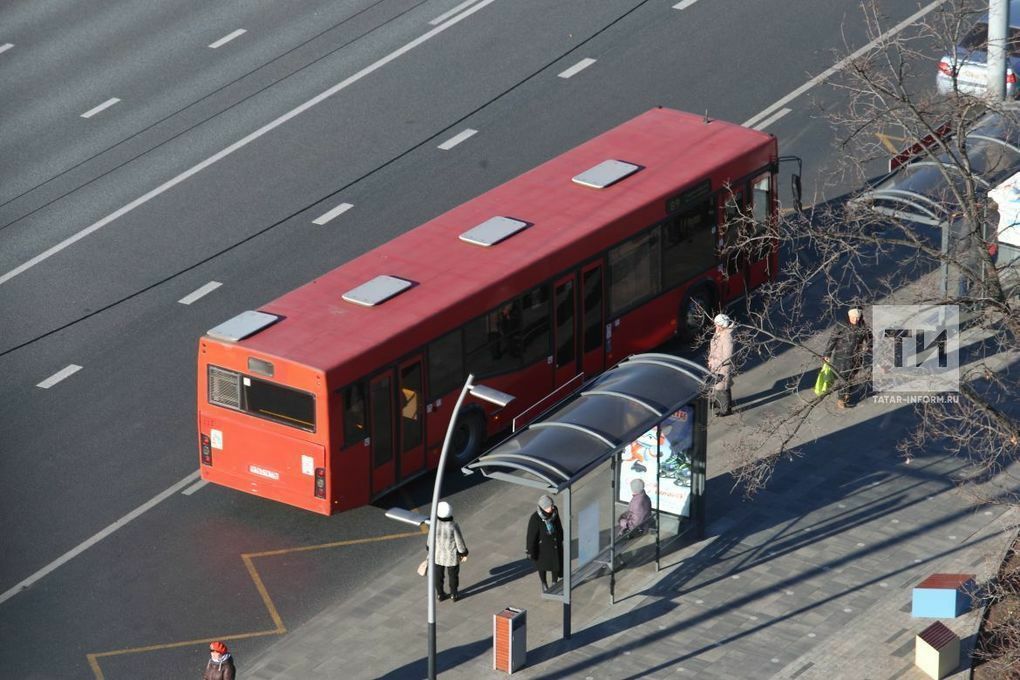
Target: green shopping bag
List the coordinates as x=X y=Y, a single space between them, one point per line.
x=826 y=377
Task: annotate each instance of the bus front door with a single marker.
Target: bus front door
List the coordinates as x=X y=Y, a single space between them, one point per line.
x=761 y=253
x=384 y=463
x=565 y=330
x=411 y=418
x=593 y=356
x=732 y=253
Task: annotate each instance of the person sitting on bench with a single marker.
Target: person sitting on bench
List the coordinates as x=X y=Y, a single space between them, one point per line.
x=640 y=509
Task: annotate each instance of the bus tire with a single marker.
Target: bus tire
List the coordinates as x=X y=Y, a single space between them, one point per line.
x=467 y=439
x=695 y=313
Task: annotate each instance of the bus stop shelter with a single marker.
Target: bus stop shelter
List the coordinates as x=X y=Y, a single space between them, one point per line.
x=924 y=191
x=645 y=418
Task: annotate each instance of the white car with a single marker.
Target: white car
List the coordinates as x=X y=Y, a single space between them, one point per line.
x=968 y=64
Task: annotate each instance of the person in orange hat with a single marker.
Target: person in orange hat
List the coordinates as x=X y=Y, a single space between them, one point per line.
x=221 y=663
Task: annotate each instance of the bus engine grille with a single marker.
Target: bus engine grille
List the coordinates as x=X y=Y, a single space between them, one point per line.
x=224 y=387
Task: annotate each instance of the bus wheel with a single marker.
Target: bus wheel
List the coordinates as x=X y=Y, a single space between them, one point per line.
x=468 y=437
x=695 y=313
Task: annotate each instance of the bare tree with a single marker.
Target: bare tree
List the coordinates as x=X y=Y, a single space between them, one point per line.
x=844 y=252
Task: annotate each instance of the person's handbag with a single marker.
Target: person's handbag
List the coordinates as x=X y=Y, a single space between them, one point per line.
x=826 y=376
x=423 y=568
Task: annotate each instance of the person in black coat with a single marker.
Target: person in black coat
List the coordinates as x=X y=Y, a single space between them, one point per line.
x=545 y=541
x=845 y=353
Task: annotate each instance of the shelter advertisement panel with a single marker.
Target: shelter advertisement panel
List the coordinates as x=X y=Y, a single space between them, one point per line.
x=671 y=446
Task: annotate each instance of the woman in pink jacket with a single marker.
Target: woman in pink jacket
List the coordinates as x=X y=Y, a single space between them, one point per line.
x=720 y=363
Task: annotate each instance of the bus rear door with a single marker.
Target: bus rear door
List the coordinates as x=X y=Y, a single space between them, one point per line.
x=381 y=442
x=592 y=320
x=565 y=330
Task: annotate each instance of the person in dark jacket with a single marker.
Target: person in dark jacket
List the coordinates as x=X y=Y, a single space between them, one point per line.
x=220 y=665
x=545 y=541
x=845 y=353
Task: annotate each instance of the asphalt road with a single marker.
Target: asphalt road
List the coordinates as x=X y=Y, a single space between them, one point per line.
x=212 y=166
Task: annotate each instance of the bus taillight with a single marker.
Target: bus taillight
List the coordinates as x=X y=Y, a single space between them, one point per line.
x=320 y=482
x=206 y=450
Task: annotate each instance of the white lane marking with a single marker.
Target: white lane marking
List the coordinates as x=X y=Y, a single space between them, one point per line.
x=684 y=4
x=74 y=552
x=195 y=487
x=227 y=38
x=200 y=293
x=326 y=217
x=145 y=198
x=457 y=139
x=842 y=63
x=102 y=107
x=59 y=375
x=771 y=119
x=445 y=15
x=5 y=47
x=577 y=68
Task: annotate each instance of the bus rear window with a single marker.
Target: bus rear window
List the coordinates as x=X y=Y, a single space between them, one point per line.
x=261 y=398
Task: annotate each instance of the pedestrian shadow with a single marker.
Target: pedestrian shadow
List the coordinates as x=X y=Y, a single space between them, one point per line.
x=499 y=575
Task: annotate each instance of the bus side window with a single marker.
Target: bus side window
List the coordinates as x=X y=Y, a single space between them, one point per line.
x=446 y=364
x=634 y=271
x=354 y=414
x=688 y=244
x=534 y=340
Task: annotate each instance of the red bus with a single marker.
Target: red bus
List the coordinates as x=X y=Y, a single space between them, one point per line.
x=341 y=390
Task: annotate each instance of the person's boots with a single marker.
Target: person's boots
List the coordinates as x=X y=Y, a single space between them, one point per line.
x=454 y=596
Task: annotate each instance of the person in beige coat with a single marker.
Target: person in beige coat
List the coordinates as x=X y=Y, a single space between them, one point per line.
x=451 y=550
x=720 y=363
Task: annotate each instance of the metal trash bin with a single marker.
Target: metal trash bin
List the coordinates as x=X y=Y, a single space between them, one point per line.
x=509 y=639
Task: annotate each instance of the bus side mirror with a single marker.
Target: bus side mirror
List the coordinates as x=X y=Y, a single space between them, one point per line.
x=795 y=181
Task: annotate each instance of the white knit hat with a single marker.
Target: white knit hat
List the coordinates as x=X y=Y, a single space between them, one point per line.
x=723 y=321
x=443 y=510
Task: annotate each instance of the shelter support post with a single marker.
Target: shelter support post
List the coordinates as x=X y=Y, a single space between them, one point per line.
x=658 y=484
x=568 y=532
x=613 y=484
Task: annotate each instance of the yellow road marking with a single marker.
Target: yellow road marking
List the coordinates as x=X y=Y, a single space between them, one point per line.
x=280 y=629
x=887 y=142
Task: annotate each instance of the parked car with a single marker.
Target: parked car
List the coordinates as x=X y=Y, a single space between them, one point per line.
x=969 y=63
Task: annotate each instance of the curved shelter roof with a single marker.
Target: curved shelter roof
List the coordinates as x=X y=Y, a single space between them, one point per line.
x=594 y=423
x=924 y=190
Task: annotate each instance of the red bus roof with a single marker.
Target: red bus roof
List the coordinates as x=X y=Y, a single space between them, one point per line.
x=455 y=281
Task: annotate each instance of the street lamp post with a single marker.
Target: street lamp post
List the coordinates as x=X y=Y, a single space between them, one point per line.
x=485 y=394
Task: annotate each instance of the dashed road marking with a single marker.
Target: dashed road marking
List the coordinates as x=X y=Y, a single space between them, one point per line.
x=578 y=67
x=326 y=217
x=102 y=107
x=457 y=139
x=200 y=293
x=227 y=38
x=5 y=47
x=57 y=377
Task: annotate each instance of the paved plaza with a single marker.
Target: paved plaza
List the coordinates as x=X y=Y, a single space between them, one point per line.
x=810 y=579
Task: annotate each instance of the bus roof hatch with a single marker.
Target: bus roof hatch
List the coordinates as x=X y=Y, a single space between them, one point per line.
x=241 y=326
x=493 y=230
x=377 y=291
x=606 y=174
